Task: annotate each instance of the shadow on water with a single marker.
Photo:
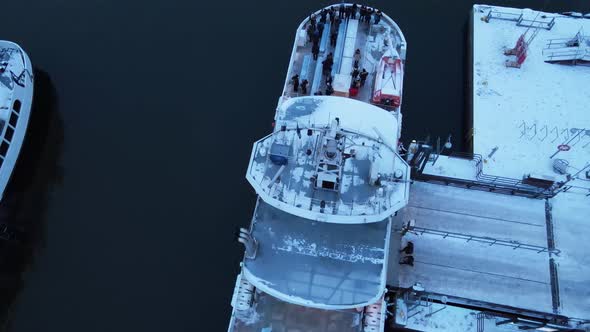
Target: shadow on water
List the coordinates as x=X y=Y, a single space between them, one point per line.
x=26 y=198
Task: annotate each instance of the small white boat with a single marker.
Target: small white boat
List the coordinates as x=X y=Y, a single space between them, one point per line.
x=16 y=99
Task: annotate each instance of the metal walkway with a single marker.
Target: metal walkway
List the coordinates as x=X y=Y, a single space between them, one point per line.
x=491 y=183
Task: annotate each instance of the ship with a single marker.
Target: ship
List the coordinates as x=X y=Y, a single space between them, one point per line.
x=329 y=178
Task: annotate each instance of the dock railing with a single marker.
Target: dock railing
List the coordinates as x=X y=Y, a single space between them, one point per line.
x=487 y=182
x=520 y=20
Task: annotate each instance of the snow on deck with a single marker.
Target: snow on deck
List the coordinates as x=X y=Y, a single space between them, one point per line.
x=354 y=115
x=526 y=113
x=471 y=269
x=448 y=166
x=318 y=264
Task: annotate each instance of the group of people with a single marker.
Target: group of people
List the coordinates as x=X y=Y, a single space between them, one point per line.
x=359 y=77
x=315 y=27
x=365 y=14
x=314 y=34
x=296 y=84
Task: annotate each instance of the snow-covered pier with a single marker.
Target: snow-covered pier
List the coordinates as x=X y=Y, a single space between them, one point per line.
x=530 y=114
x=514 y=252
x=523 y=112
x=496 y=252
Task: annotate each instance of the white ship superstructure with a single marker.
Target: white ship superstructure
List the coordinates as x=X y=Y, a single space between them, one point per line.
x=16 y=97
x=329 y=179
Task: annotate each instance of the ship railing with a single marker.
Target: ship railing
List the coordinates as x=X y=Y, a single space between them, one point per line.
x=373 y=205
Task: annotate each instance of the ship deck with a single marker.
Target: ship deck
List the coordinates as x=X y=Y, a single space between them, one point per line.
x=369 y=38
x=357 y=195
x=315 y=263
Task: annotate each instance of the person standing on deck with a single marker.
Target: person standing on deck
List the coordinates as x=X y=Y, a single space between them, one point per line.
x=304 y=88
x=353 y=10
x=295 y=81
x=357 y=57
x=408 y=249
x=326 y=67
x=363 y=75
x=310 y=31
x=341 y=11
x=332 y=14
x=378 y=16
x=320 y=28
x=323 y=16
x=327 y=64
x=369 y=15
x=312 y=20
x=334 y=32
x=363 y=12
x=315 y=50
x=315 y=38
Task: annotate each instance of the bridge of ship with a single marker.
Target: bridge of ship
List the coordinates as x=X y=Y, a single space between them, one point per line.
x=295 y=183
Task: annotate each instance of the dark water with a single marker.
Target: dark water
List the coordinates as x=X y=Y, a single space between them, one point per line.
x=133 y=184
